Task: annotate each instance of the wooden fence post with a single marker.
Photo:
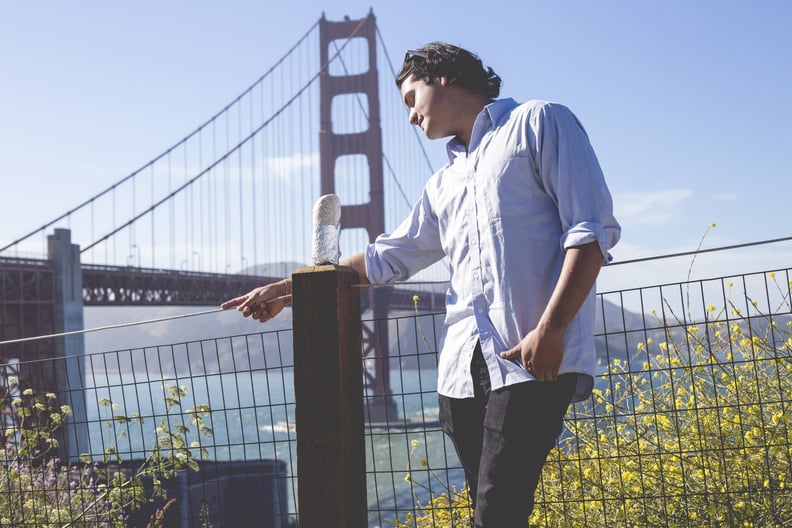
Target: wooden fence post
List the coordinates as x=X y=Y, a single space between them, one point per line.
x=328 y=390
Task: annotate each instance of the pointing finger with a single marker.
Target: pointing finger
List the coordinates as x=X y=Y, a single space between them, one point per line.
x=230 y=303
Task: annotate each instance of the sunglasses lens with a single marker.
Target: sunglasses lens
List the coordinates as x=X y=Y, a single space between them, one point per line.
x=415 y=53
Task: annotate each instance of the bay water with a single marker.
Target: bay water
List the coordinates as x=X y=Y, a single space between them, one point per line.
x=252 y=418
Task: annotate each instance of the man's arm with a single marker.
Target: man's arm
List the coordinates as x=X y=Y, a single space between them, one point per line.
x=358 y=263
x=265 y=302
x=542 y=350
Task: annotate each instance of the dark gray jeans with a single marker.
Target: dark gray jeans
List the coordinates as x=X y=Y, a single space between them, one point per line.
x=502 y=438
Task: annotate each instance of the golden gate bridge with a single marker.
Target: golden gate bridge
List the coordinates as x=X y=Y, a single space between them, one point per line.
x=228 y=207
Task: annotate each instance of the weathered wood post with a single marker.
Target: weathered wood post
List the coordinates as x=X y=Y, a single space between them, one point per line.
x=328 y=390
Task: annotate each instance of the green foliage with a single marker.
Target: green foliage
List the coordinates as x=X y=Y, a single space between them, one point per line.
x=446 y=509
x=38 y=490
x=696 y=433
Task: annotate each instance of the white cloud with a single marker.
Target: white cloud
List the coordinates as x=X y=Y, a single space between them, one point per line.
x=286 y=167
x=650 y=207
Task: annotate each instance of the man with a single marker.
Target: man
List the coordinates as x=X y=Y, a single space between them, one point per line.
x=525 y=219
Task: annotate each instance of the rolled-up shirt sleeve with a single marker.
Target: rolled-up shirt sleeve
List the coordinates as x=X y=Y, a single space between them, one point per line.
x=411 y=247
x=572 y=176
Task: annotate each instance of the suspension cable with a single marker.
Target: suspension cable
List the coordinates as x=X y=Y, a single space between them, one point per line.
x=166 y=152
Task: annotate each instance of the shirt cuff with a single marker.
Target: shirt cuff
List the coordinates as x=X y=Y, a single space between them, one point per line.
x=588 y=232
x=377 y=271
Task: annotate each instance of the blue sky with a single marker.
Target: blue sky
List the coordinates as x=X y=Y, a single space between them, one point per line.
x=686 y=102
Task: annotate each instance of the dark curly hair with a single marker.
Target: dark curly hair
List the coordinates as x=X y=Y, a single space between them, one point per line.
x=458 y=65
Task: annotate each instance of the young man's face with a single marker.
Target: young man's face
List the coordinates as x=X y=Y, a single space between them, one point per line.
x=428 y=106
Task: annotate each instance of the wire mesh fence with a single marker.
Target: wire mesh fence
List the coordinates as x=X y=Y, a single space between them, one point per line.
x=688 y=424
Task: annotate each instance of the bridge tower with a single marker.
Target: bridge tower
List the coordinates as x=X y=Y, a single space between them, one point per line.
x=369 y=215
x=40 y=297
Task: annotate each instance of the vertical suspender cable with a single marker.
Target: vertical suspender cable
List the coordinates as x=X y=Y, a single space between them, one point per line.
x=241 y=204
x=253 y=176
x=171 y=217
x=153 y=216
x=227 y=203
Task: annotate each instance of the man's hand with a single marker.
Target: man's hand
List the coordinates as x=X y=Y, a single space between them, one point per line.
x=262 y=303
x=540 y=352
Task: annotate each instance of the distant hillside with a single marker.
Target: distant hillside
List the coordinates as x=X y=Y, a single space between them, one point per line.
x=273 y=269
x=618 y=332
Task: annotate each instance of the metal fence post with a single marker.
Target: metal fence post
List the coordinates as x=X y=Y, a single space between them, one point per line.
x=328 y=390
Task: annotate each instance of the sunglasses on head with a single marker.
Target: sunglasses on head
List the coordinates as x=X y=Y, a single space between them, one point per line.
x=415 y=53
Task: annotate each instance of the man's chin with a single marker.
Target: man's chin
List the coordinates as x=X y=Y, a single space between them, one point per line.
x=434 y=134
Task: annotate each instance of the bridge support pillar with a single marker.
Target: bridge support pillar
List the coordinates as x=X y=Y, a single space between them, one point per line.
x=69 y=350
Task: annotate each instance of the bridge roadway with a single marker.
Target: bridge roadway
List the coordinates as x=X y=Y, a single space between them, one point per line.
x=132 y=286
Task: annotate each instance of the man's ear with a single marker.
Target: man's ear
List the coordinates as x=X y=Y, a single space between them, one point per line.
x=444 y=81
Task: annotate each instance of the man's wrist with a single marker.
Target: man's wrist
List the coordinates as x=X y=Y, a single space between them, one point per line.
x=551 y=325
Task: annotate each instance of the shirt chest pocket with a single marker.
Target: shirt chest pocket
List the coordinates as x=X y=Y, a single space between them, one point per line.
x=509 y=187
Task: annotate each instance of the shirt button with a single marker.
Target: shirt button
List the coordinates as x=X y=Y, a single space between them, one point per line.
x=476 y=276
x=481 y=310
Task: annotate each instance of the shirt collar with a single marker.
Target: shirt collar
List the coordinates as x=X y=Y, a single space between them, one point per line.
x=487 y=119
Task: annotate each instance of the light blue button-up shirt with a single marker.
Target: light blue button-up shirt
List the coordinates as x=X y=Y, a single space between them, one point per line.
x=503 y=212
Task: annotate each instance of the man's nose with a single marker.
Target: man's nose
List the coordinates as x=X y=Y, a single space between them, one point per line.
x=413 y=117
